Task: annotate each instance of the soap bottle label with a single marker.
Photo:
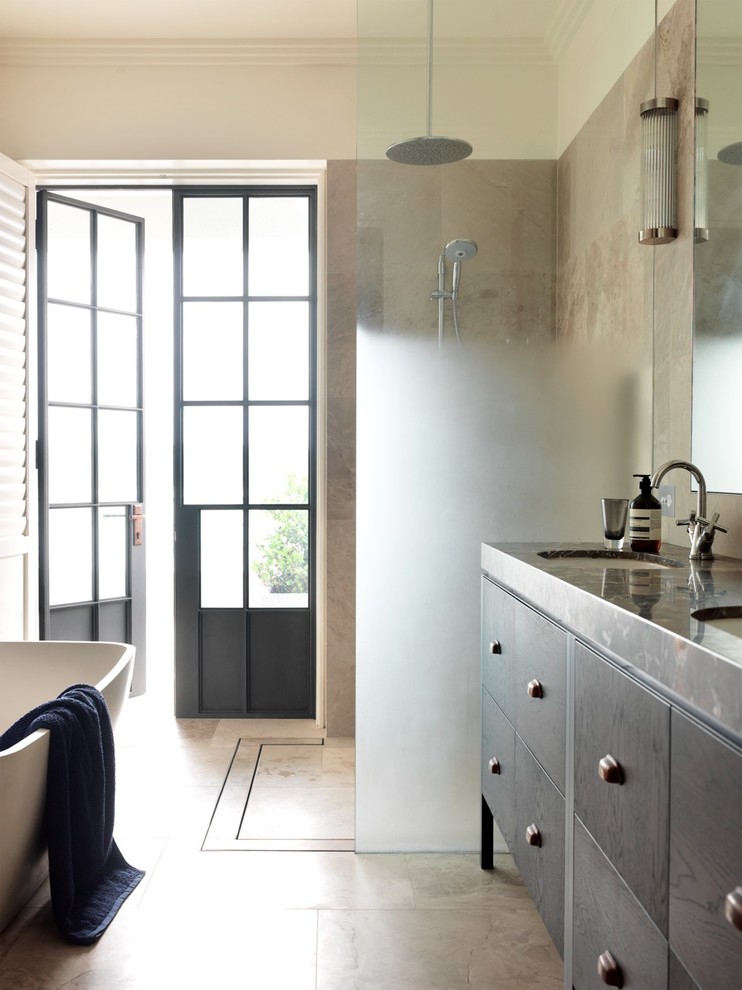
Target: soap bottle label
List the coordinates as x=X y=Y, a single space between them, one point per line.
x=645 y=525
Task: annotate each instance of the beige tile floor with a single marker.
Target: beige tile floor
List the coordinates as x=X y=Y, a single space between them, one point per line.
x=274 y=920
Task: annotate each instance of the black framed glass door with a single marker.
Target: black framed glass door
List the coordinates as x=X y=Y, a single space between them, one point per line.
x=91 y=521
x=245 y=452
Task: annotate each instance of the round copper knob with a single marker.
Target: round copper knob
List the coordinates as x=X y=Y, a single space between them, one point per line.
x=609 y=971
x=610 y=770
x=494 y=765
x=495 y=647
x=533 y=836
x=535 y=689
x=733 y=908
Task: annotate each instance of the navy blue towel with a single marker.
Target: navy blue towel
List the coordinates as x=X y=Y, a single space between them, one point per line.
x=89 y=877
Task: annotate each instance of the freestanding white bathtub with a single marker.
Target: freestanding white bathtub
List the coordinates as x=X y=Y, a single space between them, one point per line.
x=30 y=674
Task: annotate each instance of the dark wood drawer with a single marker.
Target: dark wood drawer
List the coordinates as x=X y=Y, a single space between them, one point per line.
x=498 y=788
x=498 y=646
x=540 y=690
x=608 y=919
x=539 y=813
x=617 y=719
x=705 y=854
x=680 y=979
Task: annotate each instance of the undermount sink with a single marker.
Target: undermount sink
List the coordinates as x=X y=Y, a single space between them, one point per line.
x=624 y=559
x=728 y=618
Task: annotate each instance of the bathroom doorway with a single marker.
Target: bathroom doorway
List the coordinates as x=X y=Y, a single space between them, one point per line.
x=156 y=206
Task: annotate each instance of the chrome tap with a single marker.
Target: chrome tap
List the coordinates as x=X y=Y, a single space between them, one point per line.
x=700 y=529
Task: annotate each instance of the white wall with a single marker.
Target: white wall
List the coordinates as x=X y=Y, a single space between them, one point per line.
x=161 y=111
x=594 y=59
x=504 y=110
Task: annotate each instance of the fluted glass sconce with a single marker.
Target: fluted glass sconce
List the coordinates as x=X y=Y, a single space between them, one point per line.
x=659 y=129
x=702 y=169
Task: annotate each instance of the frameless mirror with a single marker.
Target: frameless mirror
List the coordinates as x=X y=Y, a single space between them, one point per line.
x=717 y=334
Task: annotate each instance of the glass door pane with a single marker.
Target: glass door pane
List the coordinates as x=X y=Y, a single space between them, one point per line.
x=279 y=454
x=212 y=246
x=68 y=253
x=212 y=455
x=118 y=456
x=222 y=556
x=279 y=558
x=118 y=359
x=70 y=458
x=279 y=260
x=212 y=351
x=70 y=537
x=278 y=352
x=69 y=354
x=116 y=264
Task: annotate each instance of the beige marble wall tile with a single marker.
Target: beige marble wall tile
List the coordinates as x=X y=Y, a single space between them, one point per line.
x=405 y=205
x=604 y=284
x=673 y=310
x=341 y=218
x=341 y=585
x=341 y=335
x=341 y=447
x=508 y=208
x=507 y=288
x=604 y=293
x=341 y=450
x=638 y=86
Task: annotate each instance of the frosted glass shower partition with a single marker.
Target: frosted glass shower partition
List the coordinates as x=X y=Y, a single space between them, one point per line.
x=487 y=443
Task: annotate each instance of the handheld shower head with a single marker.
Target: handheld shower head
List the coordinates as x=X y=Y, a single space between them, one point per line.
x=459 y=250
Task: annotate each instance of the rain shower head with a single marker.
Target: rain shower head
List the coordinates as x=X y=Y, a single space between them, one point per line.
x=429 y=150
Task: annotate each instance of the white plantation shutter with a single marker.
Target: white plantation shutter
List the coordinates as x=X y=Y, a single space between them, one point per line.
x=13 y=361
x=18 y=553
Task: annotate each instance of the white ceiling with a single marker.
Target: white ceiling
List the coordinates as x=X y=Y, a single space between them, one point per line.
x=177 y=18
x=243 y=19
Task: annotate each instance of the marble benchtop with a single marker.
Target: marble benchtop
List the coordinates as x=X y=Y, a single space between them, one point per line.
x=641 y=617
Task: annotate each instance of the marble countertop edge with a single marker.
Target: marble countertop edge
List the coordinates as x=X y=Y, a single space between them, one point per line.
x=641 y=617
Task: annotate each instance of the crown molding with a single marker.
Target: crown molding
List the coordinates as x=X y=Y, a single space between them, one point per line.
x=454 y=51
x=567 y=19
x=248 y=52
x=177 y=51
x=169 y=172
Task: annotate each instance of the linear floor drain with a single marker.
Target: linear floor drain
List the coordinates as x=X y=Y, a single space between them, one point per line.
x=290 y=794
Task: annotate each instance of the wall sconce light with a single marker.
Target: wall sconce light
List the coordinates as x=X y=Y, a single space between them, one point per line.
x=659 y=129
x=702 y=170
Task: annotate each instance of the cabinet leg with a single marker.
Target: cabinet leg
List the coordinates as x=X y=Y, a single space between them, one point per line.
x=486 y=858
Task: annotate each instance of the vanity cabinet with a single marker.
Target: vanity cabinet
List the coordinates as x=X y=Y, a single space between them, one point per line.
x=612 y=935
x=538 y=849
x=523 y=751
x=498 y=646
x=706 y=855
x=498 y=769
x=606 y=790
x=540 y=690
x=622 y=775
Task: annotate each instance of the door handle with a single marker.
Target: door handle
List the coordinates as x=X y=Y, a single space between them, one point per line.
x=137 y=524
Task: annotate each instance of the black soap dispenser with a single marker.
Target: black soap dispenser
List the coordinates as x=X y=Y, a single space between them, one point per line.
x=645 y=519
